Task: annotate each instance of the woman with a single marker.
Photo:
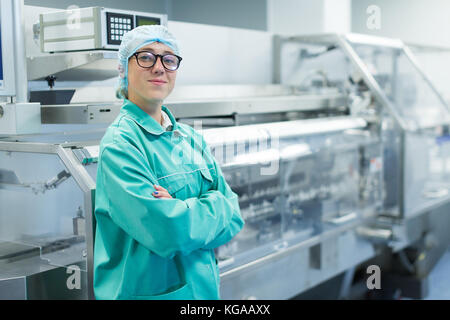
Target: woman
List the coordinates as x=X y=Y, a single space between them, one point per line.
x=159 y=213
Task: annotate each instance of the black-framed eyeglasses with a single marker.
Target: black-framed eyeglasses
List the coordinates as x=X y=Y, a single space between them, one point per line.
x=147 y=59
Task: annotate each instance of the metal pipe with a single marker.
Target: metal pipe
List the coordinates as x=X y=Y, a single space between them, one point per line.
x=87 y=185
x=277 y=42
x=20 y=65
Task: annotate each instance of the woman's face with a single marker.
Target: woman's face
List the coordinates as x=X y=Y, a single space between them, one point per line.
x=150 y=84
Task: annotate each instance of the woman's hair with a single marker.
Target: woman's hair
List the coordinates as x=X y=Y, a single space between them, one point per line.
x=122 y=93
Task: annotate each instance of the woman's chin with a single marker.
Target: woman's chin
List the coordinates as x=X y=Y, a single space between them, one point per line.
x=155 y=96
x=155 y=99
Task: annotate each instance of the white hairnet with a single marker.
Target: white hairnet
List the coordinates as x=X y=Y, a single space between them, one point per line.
x=134 y=40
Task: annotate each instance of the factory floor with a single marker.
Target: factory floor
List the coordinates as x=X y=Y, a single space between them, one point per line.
x=439 y=280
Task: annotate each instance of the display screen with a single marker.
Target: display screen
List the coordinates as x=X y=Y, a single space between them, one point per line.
x=145 y=21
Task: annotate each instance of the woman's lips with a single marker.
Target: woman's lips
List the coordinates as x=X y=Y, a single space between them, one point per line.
x=157 y=82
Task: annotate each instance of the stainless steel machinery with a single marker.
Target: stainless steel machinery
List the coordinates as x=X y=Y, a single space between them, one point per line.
x=46 y=218
x=304 y=186
x=344 y=159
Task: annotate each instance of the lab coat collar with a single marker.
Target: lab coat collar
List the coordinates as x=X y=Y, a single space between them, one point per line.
x=146 y=121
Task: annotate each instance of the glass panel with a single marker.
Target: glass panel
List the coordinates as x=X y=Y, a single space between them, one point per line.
x=427 y=174
x=42 y=223
x=251 y=170
x=432 y=61
x=412 y=97
x=315 y=68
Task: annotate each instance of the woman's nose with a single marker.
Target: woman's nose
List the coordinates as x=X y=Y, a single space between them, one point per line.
x=158 y=66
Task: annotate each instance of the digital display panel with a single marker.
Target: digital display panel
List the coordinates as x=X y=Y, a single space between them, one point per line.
x=145 y=21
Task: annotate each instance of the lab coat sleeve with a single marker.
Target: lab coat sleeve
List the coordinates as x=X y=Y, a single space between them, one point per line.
x=164 y=226
x=237 y=223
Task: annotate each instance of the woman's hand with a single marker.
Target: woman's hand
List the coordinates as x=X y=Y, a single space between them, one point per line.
x=161 y=192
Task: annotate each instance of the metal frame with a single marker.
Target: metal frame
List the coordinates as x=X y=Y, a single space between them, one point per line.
x=374 y=40
x=199 y=108
x=60 y=64
x=91 y=113
x=87 y=185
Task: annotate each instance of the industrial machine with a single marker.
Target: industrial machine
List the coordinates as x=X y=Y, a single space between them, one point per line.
x=387 y=87
x=46 y=222
x=341 y=161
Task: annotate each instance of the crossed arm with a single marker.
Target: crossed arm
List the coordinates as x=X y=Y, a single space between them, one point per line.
x=162 y=224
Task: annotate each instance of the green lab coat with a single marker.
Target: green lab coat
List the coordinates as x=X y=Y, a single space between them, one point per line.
x=150 y=248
